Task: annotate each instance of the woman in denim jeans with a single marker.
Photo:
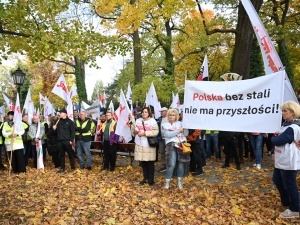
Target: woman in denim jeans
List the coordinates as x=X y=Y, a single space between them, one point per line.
x=174 y=135
x=287 y=159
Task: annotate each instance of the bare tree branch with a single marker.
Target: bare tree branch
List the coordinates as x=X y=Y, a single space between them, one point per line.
x=209 y=32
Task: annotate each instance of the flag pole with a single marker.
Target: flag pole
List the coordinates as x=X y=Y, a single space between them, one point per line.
x=11 y=150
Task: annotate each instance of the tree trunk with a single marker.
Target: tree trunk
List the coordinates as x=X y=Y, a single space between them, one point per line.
x=137 y=55
x=137 y=58
x=80 y=78
x=243 y=41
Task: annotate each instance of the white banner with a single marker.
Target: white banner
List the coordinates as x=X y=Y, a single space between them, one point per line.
x=246 y=105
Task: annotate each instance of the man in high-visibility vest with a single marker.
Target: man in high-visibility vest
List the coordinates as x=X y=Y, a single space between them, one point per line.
x=13 y=142
x=83 y=140
x=1 y=145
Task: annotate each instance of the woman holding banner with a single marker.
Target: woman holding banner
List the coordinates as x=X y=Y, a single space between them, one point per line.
x=287 y=159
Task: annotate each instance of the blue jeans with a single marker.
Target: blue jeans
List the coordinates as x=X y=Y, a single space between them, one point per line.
x=256 y=143
x=285 y=181
x=84 y=146
x=170 y=168
x=215 y=140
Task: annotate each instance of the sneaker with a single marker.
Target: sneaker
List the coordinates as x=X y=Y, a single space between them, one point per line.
x=258 y=166
x=254 y=164
x=219 y=160
x=163 y=169
x=289 y=214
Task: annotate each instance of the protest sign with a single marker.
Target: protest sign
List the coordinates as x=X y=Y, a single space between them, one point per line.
x=248 y=105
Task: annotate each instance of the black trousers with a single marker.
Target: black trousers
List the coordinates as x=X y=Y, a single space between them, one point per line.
x=148 y=171
x=230 y=149
x=196 y=158
x=110 y=155
x=17 y=160
x=65 y=146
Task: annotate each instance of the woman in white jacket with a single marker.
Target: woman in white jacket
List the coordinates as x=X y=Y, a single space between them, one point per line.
x=145 y=127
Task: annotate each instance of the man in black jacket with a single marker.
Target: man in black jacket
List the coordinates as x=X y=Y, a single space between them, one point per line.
x=65 y=137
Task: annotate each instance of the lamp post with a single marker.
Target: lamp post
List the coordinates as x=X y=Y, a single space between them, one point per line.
x=18 y=77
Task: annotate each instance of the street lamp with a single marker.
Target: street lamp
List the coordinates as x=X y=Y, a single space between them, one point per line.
x=19 y=77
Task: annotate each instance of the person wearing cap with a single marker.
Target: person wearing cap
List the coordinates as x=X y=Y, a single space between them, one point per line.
x=161 y=138
x=65 y=137
x=14 y=144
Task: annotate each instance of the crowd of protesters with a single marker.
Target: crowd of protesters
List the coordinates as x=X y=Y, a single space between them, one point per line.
x=74 y=138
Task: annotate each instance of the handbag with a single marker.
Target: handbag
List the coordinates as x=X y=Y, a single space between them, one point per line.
x=152 y=141
x=186 y=147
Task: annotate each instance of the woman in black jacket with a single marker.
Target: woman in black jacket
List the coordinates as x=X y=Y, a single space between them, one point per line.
x=52 y=141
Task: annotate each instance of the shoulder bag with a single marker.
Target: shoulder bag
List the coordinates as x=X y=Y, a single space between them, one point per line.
x=152 y=141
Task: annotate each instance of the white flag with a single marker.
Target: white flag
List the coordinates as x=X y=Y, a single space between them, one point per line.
x=18 y=116
x=129 y=93
x=123 y=127
x=48 y=110
x=84 y=106
x=175 y=102
x=272 y=62
x=111 y=107
x=70 y=110
x=204 y=69
x=152 y=99
x=42 y=99
x=61 y=89
x=2 y=112
x=9 y=103
x=73 y=91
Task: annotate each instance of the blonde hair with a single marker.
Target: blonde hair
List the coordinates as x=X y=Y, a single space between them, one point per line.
x=173 y=111
x=292 y=106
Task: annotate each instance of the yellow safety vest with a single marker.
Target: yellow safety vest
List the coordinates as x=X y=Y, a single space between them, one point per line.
x=92 y=128
x=83 y=125
x=25 y=125
x=209 y=132
x=9 y=130
x=1 y=138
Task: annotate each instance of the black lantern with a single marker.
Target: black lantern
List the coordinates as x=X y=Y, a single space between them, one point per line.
x=19 y=77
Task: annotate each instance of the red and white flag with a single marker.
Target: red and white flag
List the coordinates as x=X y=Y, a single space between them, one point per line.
x=100 y=99
x=104 y=99
x=151 y=99
x=129 y=93
x=42 y=99
x=39 y=148
x=18 y=116
x=123 y=126
x=204 y=69
x=61 y=89
x=9 y=103
x=272 y=62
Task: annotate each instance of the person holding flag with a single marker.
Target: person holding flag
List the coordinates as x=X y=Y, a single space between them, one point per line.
x=36 y=133
x=14 y=143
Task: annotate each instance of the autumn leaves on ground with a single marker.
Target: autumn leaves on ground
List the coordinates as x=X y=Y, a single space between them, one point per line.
x=221 y=196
